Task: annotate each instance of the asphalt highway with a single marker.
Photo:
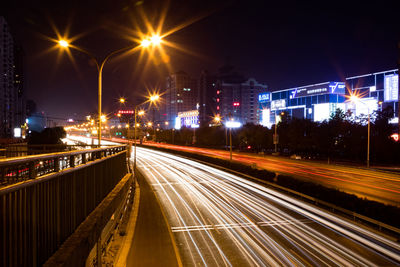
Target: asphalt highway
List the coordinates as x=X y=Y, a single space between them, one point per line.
x=219 y=219
x=371 y=183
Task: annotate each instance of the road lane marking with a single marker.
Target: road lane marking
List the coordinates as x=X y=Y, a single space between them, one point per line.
x=179 y=183
x=237 y=225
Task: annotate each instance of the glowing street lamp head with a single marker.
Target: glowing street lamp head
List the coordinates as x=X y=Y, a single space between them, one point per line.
x=63 y=43
x=155 y=39
x=354 y=98
x=146 y=42
x=122 y=100
x=141 y=112
x=154 y=98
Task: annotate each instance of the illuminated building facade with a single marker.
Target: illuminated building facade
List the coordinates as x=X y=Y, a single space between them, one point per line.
x=188 y=119
x=318 y=102
x=207 y=97
x=378 y=90
x=181 y=95
x=12 y=106
x=239 y=101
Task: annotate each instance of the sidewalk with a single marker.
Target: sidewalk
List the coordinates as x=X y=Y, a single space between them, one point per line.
x=152 y=244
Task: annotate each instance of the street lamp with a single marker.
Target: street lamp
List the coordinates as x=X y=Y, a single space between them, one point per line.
x=151 y=99
x=276 y=136
x=356 y=99
x=217 y=119
x=153 y=40
x=231 y=124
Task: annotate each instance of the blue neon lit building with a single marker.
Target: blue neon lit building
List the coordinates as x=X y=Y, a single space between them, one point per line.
x=318 y=101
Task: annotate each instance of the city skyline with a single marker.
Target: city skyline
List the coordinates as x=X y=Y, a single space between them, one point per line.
x=268 y=42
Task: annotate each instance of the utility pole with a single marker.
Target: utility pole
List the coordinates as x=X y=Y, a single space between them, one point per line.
x=398 y=85
x=194 y=135
x=230 y=144
x=369 y=134
x=226 y=138
x=276 y=137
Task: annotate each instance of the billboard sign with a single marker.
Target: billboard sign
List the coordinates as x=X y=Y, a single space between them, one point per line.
x=338 y=88
x=391 y=87
x=126 y=112
x=325 y=88
x=233 y=124
x=265 y=117
x=189 y=118
x=264 y=97
x=278 y=104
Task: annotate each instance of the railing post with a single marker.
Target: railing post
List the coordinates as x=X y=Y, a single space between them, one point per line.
x=32 y=169
x=34 y=226
x=3 y=175
x=72 y=161
x=83 y=158
x=56 y=164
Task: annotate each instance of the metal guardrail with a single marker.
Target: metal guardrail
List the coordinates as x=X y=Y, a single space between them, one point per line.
x=356 y=217
x=23 y=149
x=16 y=170
x=47 y=197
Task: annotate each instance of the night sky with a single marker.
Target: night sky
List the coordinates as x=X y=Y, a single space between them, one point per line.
x=281 y=44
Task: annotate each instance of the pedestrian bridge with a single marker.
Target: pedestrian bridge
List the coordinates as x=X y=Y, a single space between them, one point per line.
x=45 y=198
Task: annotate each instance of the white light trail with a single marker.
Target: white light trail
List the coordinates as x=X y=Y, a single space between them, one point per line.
x=221 y=219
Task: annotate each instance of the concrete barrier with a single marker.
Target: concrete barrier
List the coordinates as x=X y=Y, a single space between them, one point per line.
x=77 y=247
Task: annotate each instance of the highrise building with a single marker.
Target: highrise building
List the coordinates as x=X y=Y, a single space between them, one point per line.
x=12 y=113
x=207 y=98
x=181 y=95
x=238 y=101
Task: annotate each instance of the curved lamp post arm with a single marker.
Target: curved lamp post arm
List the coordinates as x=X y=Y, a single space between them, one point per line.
x=100 y=69
x=88 y=54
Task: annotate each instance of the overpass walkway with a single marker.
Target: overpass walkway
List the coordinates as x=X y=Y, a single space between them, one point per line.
x=152 y=243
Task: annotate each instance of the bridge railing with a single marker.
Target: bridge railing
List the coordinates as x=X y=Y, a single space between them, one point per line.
x=24 y=149
x=44 y=199
x=30 y=167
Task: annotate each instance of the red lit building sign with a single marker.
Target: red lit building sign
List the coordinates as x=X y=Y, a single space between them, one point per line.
x=236 y=104
x=126 y=112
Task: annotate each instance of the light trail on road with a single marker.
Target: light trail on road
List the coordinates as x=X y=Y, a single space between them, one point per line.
x=220 y=219
x=373 y=184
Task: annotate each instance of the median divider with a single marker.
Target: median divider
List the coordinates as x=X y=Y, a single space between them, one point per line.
x=383 y=218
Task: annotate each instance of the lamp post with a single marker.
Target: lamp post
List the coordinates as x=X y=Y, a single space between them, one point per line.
x=153 y=98
x=134 y=130
x=155 y=40
x=356 y=99
x=276 y=136
x=230 y=143
x=231 y=124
